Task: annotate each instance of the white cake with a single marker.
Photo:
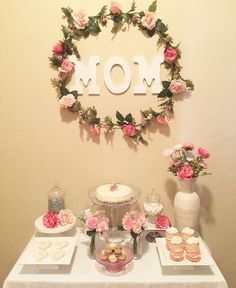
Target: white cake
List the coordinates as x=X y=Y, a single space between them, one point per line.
x=113 y=193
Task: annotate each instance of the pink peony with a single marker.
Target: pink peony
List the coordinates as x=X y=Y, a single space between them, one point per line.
x=58 y=48
x=162 y=120
x=91 y=222
x=188 y=146
x=67 y=100
x=81 y=20
x=149 y=20
x=170 y=55
x=102 y=225
x=162 y=222
x=50 y=220
x=129 y=130
x=127 y=222
x=177 y=86
x=115 y=8
x=203 y=153
x=66 y=66
x=185 y=172
x=65 y=217
x=94 y=129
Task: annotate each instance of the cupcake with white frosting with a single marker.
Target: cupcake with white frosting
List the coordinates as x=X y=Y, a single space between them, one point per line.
x=170 y=233
x=176 y=249
x=186 y=233
x=192 y=248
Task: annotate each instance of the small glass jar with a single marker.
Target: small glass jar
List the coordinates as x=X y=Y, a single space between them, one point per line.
x=152 y=206
x=56 y=199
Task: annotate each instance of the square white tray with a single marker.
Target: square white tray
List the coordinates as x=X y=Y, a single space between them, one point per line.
x=206 y=258
x=28 y=259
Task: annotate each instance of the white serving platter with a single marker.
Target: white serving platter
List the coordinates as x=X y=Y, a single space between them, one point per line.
x=27 y=258
x=59 y=229
x=206 y=258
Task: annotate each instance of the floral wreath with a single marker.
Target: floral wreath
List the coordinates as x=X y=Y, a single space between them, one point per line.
x=80 y=25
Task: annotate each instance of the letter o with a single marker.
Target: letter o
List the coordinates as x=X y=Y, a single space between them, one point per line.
x=117 y=88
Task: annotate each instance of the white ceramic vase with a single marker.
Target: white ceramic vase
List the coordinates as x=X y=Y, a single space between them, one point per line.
x=186 y=206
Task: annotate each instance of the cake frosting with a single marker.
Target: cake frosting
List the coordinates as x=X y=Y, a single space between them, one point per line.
x=113 y=193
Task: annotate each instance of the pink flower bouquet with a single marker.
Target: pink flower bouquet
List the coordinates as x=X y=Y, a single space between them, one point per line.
x=96 y=222
x=134 y=222
x=185 y=164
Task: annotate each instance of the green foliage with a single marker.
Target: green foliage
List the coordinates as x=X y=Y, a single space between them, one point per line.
x=153 y=7
x=102 y=11
x=120 y=118
x=55 y=61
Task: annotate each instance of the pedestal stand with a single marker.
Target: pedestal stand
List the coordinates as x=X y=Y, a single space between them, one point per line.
x=115 y=235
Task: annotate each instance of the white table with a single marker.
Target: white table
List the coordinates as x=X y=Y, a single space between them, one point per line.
x=87 y=273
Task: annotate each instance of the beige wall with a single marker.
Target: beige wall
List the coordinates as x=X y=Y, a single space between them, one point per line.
x=39 y=146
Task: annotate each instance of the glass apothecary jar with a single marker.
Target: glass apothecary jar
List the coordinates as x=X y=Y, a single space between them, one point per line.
x=56 y=199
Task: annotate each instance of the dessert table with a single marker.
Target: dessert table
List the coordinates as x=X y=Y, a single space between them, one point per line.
x=87 y=273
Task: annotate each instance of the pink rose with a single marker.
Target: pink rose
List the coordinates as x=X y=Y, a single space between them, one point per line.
x=50 y=220
x=66 y=66
x=162 y=120
x=58 y=48
x=94 y=129
x=188 y=146
x=129 y=130
x=127 y=222
x=81 y=20
x=67 y=100
x=65 y=217
x=185 y=172
x=203 y=153
x=162 y=222
x=170 y=55
x=115 y=8
x=177 y=86
x=91 y=223
x=149 y=20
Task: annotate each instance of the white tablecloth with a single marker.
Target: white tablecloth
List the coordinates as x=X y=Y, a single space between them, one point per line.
x=87 y=273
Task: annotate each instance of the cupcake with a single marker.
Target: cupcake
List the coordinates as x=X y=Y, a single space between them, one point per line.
x=192 y=248
x=118 y=251
x=112 y=258
x=122 y=257
x=176 y=249
x=186 y=233
x=107 y=251
x=170 y=233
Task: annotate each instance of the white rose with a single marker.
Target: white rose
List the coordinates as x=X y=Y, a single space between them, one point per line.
x=168 y=152
x=80 y=19
x=149 y=20
x=178 y=147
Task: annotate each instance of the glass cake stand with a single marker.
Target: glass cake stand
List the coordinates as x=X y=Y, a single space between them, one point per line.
x=115 y=235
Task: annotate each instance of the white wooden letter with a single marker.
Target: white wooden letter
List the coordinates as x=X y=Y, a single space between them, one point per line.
x=117 y=88
x=85 y=74
x=148 y=74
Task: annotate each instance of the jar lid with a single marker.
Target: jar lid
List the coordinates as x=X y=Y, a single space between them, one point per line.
x=56 y=191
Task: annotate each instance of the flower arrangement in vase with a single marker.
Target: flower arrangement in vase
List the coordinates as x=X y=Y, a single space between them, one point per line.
x=134 y=222
x=187 y=165
x=95 y=222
